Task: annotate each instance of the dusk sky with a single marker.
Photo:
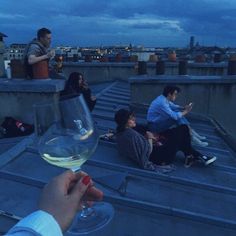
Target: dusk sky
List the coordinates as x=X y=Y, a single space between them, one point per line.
x=106 y=22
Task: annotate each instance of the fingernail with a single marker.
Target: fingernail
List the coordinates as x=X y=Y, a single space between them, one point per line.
x=86 y=180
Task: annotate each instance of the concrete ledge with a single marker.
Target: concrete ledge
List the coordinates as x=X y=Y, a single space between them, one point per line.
x=17 y=96
x=110 y=71
x=35 y=85
x=182 y=79
x=98 y=64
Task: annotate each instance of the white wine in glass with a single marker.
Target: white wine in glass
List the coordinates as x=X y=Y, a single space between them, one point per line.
x=67 y=138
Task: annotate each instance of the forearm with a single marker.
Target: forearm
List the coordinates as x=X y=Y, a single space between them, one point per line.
x=151 y=144
x=165 y=110
x=37 y=223
x=33 y=59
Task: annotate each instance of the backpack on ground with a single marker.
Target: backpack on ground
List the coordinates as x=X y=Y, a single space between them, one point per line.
x=12 y=127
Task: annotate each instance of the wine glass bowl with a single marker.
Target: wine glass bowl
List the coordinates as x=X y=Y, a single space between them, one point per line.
x=67 y=148
x=67 y=138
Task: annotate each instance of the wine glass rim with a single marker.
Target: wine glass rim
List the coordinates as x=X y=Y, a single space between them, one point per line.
x=61 y=99
x=69 y=96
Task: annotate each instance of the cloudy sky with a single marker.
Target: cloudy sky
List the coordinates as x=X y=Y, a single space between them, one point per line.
x=108 y=22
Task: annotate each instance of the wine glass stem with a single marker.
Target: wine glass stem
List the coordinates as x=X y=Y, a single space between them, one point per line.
x=86 y=210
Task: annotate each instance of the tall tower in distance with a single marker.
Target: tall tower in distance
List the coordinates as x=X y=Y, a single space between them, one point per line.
x=191 y=43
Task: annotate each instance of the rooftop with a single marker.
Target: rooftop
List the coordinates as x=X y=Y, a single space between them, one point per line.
x=195 y=201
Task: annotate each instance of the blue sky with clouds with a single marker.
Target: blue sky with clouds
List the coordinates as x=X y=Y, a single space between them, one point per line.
x=108 y=22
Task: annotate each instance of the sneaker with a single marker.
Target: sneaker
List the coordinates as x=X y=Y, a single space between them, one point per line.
x=198 y=142
x=198 y=136
x=201 y=137
x=207 y=159
x=189 y=160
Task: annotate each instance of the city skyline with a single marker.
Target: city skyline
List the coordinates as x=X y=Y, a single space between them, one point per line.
x=150 y=23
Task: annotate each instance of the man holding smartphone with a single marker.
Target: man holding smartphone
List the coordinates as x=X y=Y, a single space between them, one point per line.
x=163 y=114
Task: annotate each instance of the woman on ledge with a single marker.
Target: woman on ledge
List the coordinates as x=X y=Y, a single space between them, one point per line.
x=76 y=84
x=151 y=149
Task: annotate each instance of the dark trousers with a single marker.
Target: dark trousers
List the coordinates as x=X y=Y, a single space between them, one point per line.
x=176 y=139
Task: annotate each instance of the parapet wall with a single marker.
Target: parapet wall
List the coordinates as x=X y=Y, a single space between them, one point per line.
x=17 y=96
x=96 y=72
x=213 y=96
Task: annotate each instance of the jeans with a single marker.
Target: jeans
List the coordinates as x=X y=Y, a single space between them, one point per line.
x=165 y=124
x=177 y=139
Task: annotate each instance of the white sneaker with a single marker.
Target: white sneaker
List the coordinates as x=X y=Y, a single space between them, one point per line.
x=207 y=159
x=194 y=133
x=198 y=142
x=201 y=137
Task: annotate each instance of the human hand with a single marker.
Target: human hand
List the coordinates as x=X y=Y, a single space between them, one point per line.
x=51 y=54
x=93 y=98
x=150 y=135
x=85 y=84
x=189 y=106
x=62 y=197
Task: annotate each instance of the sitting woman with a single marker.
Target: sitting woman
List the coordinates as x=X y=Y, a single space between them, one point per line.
x=151 y=149
x=76 y=84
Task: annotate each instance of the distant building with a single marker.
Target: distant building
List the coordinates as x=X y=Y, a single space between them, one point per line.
x=191 y=43
x=15 y=51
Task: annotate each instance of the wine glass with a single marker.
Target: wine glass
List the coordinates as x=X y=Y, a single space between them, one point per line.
x=67 y=138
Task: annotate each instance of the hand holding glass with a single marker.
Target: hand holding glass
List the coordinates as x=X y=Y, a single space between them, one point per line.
x=67 y=138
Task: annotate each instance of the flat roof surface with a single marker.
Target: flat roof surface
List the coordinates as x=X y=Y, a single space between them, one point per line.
x=196 y=201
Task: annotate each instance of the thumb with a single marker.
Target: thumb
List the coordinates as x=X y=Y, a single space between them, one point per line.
x=80 y=188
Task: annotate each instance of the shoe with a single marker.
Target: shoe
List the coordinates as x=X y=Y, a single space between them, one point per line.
x=198 y=136
x=198 y=142
x=201 y=137
x=207 y=159
x=189 y=160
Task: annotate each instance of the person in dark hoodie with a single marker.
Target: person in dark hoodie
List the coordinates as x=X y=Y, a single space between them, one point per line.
x=76 y=84
x=151 y=149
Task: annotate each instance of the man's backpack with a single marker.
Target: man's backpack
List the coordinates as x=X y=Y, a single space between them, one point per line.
x=13 y=128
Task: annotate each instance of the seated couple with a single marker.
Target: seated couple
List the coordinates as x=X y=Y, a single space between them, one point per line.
x=163 y=114
x=152 y=151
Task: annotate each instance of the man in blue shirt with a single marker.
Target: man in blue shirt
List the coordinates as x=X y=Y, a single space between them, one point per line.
x=164 y=114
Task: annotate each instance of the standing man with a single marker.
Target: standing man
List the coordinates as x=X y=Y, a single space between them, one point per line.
x=164 y=114
x=38 y=51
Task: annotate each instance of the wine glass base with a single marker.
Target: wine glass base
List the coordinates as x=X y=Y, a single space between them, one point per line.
x=100 y=215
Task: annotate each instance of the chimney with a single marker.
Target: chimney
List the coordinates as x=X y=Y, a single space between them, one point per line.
x=2 y=50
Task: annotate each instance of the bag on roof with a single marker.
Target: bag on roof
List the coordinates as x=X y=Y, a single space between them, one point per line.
x=13 y=128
